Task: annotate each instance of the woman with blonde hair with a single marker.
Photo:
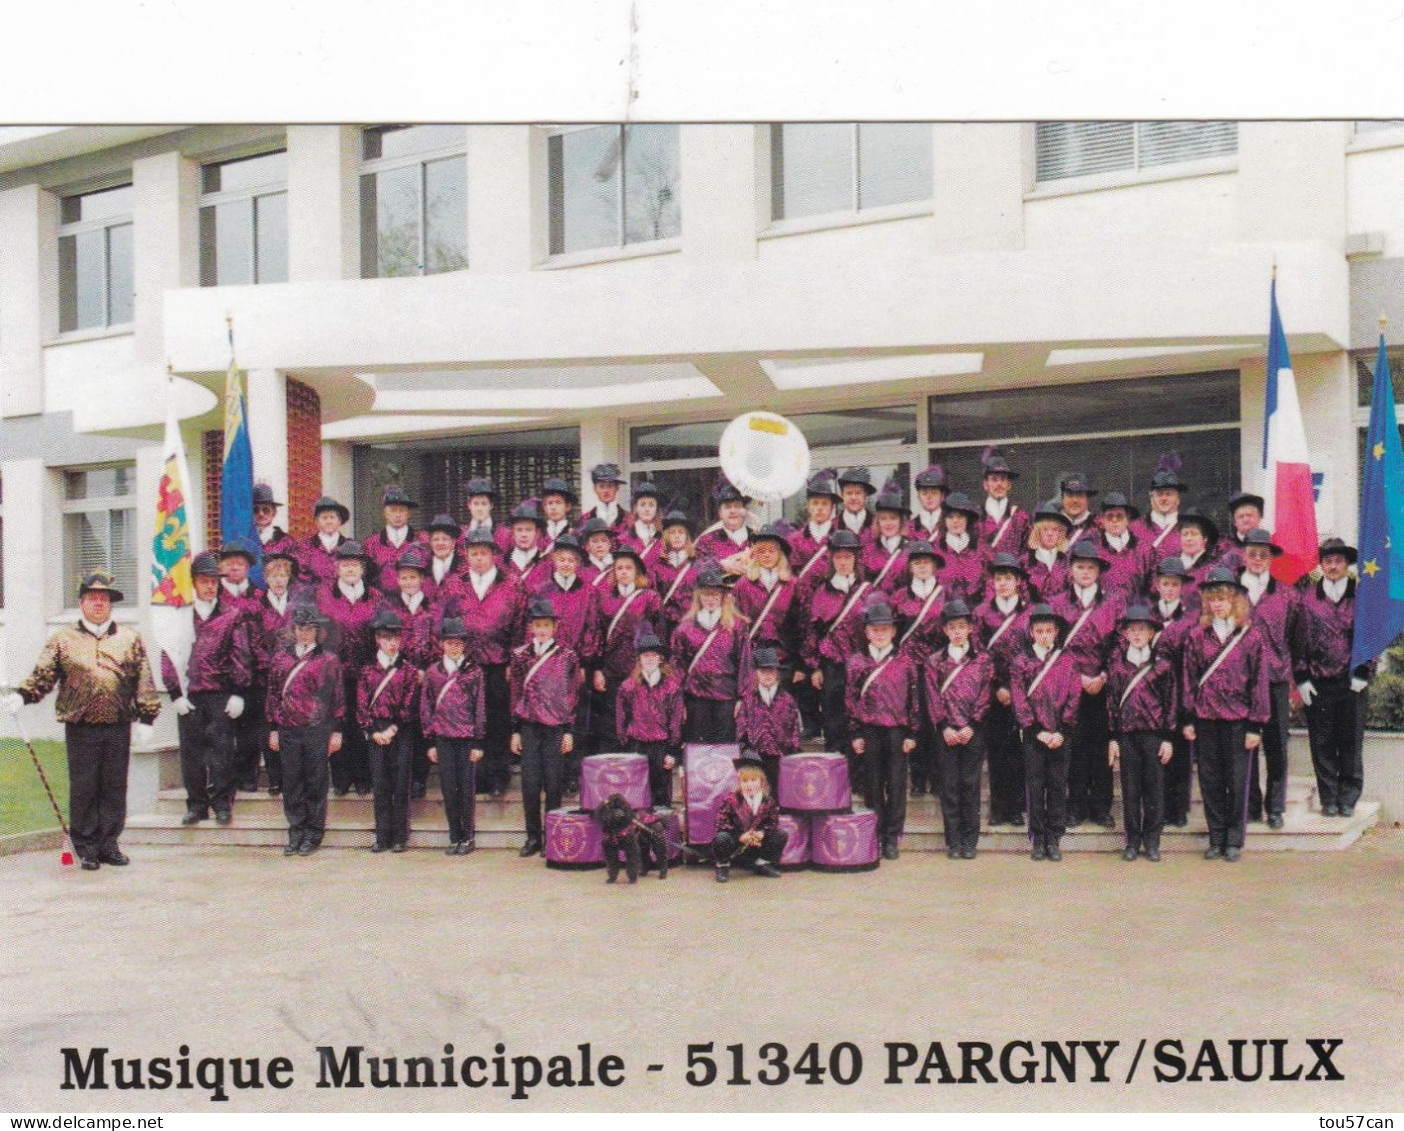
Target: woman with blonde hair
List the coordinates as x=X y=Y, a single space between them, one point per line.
x=712 y=652
x=1046 y=559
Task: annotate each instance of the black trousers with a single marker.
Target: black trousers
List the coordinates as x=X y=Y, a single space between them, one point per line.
x=306 y=774
x=542 y=769
x=960 y=789
x=497 y=706
x=1143 y=788
x=419 y=764
x=250 y=731
x=660 y=780
x=884 y=769
x=580 y=730
x=456 y=774
x=1178 y=774
x=1089 y=773
x=925 y=760
x=710 y=721
x=391 y=774
x=350 y=767
x=809 y=702
x=1274 y=748
x=98 y=756
x=1046 y=782
x=1336 y=730
x=1006 y=757
x=603 y=736
x=207 y=767
x=1223 y=780
x=835 y=709
x=772 y=846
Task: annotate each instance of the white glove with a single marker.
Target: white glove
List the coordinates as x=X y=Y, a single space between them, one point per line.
x=142 y=732
x=235 y=707
x=1307 y=690
x=1358 y=685
x=13 y=702
x=183 y=706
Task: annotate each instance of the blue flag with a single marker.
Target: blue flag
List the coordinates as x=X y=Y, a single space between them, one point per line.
x=1379 y=613
x=236 y=482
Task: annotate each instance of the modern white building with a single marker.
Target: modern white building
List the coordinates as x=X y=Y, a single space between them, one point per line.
x=420 y=304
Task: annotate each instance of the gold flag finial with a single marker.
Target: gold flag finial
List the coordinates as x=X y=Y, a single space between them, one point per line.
x=1384 y=321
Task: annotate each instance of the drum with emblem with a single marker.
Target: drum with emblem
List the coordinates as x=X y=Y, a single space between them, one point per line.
x=844 y=842
x=573 y=840
x=815 y=783
x=710 y=776
x=604 y=774
x=795 y=858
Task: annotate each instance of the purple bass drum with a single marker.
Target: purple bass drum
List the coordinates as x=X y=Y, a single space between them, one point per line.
x=604 y=774
x=844 y=842
x=573 y=840
x=796 y=855
x=815 y=783
x=710 y=777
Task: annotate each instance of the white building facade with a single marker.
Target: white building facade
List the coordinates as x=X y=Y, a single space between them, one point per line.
x=422 y=304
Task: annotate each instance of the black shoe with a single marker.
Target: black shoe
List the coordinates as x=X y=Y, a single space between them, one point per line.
x=530 y=848
x=1038 y=853
x=89 y=864
x=967 y=854
x=1213 y=852
x=452 y=849
x=1232 y=853
x=114 y=856
x=1153 y=855
x=723 y=873
x=399 y=846
x=1129 y=853
x=1345 y=810
x=379 y=846
x=1017 y=820
x=1330 y=811
x=306 y=848
x=1054 y=853
x=339 y=791
x=1075 y=819
x=248 y=787
x=362 y=790
x=466 y=847
x=951 y=853
x=275 y=791
x=290 y=849
x=1255 y=818
x=766 y=869
x=419 y=791
x=1178 y=822
x=193 y=817
x=1104 y=820
x=889 y=850
x=223 y=816
x=1274 y=820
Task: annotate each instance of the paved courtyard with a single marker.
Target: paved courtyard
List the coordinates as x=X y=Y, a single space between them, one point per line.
x=240 y=953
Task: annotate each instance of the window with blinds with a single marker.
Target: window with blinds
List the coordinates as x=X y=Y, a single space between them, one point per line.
x=1082 y=149
x=99 y=526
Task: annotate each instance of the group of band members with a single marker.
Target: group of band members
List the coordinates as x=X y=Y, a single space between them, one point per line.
x=923 y=641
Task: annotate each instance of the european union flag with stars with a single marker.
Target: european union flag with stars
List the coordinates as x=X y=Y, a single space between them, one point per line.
x=1379 y=613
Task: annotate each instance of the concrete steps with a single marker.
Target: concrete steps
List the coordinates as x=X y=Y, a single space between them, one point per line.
x=258 y=823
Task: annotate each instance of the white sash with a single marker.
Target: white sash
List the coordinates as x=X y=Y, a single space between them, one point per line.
x=819 y=553
x=887 y=565
x=1010 y=619
x=439 y=698
x=1231 y=644
x=1140 y=675
x=673 y=588
x=955 y=672
x=1003 y=526
x=872 y=675
x=1087 y=612
x=707 y=643
x=1159 y=538
x=848 y=608
x=936 y=591
x=613 y=624
x=384 y=683
x=297 y=667
x=1047 y=667
x=765 y=610
x=541 y=659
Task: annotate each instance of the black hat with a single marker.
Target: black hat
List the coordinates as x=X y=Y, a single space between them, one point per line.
x=1167 y=473
x=557 y=486
x=647 y=641
x=1052 y=511
x=453 y=628
x=1246 y=499
x=1043 y=611
x=710 y=576
x=890 y=498
x=728 y=492
x=1117 y=500
x=271 y=556
x=921 y=548
x=386 y=620
x=242 y=547
x=1338 y=546
x=306 y=613
x=634 y=556
x=747 y=758
x=1075 y=483
x=1171 y=567
x=327 y=503
x=396 y=496
x=860 y=476
x=412 y=557
x=479 y=537
x=960 y=502
x=994 y=463
x=644 y=489
x=1086 y=550
x=528 y=511
x=823 y=485
x=481 y=485
x=1139 y=613
x=878 y=611
x=540 y=608
x=568 y=541
x=678 y=518
x=1221 y=577
x=844 y=539
x=593 y=526
x=1260 y=536
x=444 y=523
x=350 y=549
x=933 y=476
x=1007 y=563
x=263 y=496
x=204 y=564
x=765 y=658
x=770 y=532
x=606 y=473
x=1193 y=516
x=955 y=610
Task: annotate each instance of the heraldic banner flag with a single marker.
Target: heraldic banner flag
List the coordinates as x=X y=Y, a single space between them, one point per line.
x=1290 y=511
x=172 y=593
x=236 y=483
x=1379 y=595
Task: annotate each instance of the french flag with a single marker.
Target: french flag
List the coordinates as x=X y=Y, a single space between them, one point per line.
x=1290 y=504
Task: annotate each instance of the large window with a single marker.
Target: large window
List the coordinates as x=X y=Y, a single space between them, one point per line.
x=95 y=259
x=820 y=167
x=414 y=200
x=244 y=221
x=99 y=525
x=610 y=186
x=1079 y=149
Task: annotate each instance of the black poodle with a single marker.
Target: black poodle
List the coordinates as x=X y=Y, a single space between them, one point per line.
x=638 y=844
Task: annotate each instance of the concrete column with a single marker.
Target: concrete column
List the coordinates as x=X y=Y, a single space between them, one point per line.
x=192 y=439
x=600 y=442
x=977 y=185
x=28 y=295
x=1252 y=399
x=1291 y=181
x=165 y=242
x=1326 y=388
x=323 y=203
x=507 y=228
x=338 y=480
x=725 y=190
x=268 y=430
x=25 y=601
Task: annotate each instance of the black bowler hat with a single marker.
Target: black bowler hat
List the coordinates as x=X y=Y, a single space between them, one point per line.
x=634 y=556
x=288 y=556
x=994 y=463
x=933 y=477
x=481 y=485
x=878 y=611
x=204 y=564
x=1139 y=613
x=480 y=537
x=955 y=610
x=1117 y=500
x=1167 y=473
x=859 y=476
x=568 y=541
x=386 y=620
x=327 y=503
x=710 y=576
x=606 y=473
x=595 y=526
x=1046 y=612
x=528 y=512
x=263 y=496
x=644 y=489
x=444 y=524
x=728 y=492
x=453 y=628
x=1052 y=511
x=351 y=549
x=1246 y=499
x=305 y=613
x=1260 y=536
x=1193 y=516
x=541 y=608
x=890 y=498
x=1221 y=577
x=412 y=558
x=239 y=546
x=1338 y=546
x=765 y=658
x=823 y=486
x=1075 y=483
x=396 y=496
x=557 y=486
x=921 y=548
x=770 y=532
x=678 y=518
x=647 y=641
x=844 y=539
x=1171 y=567
x=1085 y=550
x=1008 y=563
x=961 y=503
x=747 y=758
